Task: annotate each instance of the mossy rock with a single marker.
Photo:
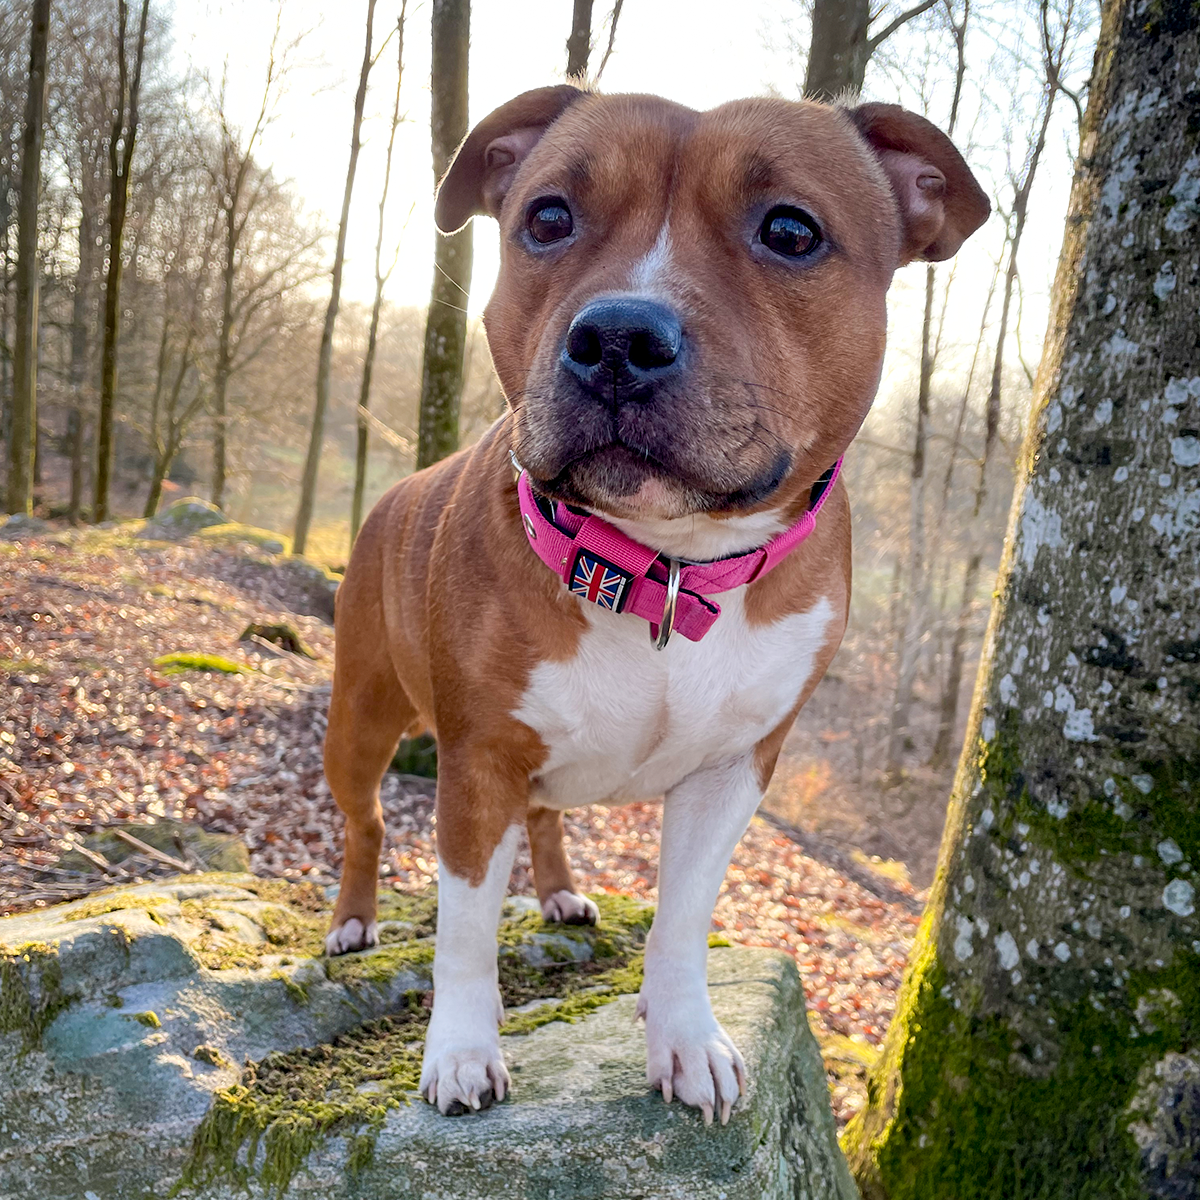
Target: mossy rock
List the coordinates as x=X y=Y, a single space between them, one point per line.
x=416 y=756
x=183 y=518
x=267 y=1070
x=213 y=851
x=18 y=527
x=311 y=587
x=233 y=534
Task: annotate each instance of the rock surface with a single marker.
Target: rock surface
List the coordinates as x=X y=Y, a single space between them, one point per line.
x=127 y=1017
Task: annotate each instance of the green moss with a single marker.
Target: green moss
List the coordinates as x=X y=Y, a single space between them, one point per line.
x=297 y=925
x=180 y=661
x=382 y=965
x=211 y=1055
x=988 y=1109
x=31 y=992
x=1167 y=804
x=285 y=1106
x=148 y=1018
x=297 y=991
x=103 y=903
x=265 y=1127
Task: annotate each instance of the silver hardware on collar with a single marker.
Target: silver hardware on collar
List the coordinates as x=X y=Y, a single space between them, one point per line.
x=667 y=625
x=527 y=521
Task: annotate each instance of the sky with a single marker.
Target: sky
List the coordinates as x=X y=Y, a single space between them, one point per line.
x=700 y=53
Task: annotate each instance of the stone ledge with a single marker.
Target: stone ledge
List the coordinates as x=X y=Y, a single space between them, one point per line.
x=103 y=1102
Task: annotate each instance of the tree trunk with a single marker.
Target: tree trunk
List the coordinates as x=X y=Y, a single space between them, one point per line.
x=23 y=428
x=1046 y=1039
x=837 y=55
x=918 y=592
x=81 y=316
x=381 y=278
x=579 y=44
x=446 y=322
x=308 y=485
x=120 y=158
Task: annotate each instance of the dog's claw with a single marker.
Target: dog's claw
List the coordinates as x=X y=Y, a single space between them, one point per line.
x=707 y=1110
x=726 y=1109
x=668 y=1091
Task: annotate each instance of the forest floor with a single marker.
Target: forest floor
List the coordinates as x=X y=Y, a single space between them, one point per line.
x=93 y=733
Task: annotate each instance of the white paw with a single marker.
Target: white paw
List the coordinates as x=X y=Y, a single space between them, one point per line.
x=464 y=1080
x=690 y=1056
x=570 y=908
x=350 y=935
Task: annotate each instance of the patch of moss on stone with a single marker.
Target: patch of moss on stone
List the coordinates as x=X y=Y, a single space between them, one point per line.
x=148 y=1018
x=31 y=992
x=718 y=939
x=297 y=991
x=210 y=1054
x=265 y=1127
x=986 y=1109
x=179 y=661
x=103 y=903
x=382 y=965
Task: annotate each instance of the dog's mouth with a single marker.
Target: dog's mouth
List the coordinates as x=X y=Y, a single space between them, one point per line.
x=628 y=482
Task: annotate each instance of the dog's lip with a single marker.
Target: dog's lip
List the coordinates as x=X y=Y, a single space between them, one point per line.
x=750 y=494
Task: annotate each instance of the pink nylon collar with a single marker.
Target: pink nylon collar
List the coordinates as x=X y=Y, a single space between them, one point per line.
x=601 y=564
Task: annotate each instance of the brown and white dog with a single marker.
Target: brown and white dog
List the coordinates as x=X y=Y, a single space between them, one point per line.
x=689 y=326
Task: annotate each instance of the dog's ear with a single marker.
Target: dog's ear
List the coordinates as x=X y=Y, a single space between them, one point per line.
x=488 y=160
x=941 y=203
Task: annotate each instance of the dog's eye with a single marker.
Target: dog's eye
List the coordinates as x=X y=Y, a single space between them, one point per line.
x=550 y=221
x=790 y=232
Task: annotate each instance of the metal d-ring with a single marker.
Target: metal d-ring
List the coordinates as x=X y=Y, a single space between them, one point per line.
x=667 y=624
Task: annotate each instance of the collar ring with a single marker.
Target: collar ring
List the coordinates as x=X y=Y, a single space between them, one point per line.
x=667 y=624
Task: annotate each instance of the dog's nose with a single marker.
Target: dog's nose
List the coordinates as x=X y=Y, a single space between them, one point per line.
x=621 y=348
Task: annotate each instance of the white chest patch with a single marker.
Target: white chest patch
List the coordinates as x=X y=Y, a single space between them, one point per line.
x=623 y=721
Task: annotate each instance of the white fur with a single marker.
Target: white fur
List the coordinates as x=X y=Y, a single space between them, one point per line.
x=622 y=721
x=351 y=935
x=652 y=270
x=570 y=908
x=701 y=538
x=463 y=1061
x=688 y=1054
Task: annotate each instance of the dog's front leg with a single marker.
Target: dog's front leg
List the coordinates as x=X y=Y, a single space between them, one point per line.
x=688 y=1054
x=477 y=841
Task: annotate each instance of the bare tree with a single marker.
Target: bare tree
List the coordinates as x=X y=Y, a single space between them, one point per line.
x=23 y=429
x=120 y=159
x=446 y=323
x=842 y=43
x=381 y=278
x=308 y=484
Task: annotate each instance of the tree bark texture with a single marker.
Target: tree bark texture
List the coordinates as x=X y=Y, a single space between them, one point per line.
x=446 y=322
x=120 y=157
x=579 y=44
x=308 y=485
x=1047 y=1038
x=838 y=53
x=23 y=428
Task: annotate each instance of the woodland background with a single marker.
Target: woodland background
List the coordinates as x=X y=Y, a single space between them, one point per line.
x=250 y=329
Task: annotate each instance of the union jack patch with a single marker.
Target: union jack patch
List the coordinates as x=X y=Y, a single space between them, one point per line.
x=599 y=581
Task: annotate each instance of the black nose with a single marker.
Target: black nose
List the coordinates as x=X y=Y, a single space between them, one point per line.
x=622 y=348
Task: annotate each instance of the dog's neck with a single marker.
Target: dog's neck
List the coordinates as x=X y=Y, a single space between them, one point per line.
x=701 y=538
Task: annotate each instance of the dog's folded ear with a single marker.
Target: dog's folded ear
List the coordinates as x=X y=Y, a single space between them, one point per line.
x=941 y=203
x=488 y=160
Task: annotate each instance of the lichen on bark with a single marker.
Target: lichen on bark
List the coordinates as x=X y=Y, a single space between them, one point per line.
x=1046 y=1040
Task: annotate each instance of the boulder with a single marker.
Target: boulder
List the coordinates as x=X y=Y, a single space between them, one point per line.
x=183 y=518
x=18 y=527
x=181 y=839
x=185 y=1037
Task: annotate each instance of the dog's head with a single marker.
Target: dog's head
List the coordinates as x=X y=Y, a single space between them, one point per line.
x=690 y=313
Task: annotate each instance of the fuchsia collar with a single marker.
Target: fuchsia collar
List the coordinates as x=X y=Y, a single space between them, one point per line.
x=599 y=563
